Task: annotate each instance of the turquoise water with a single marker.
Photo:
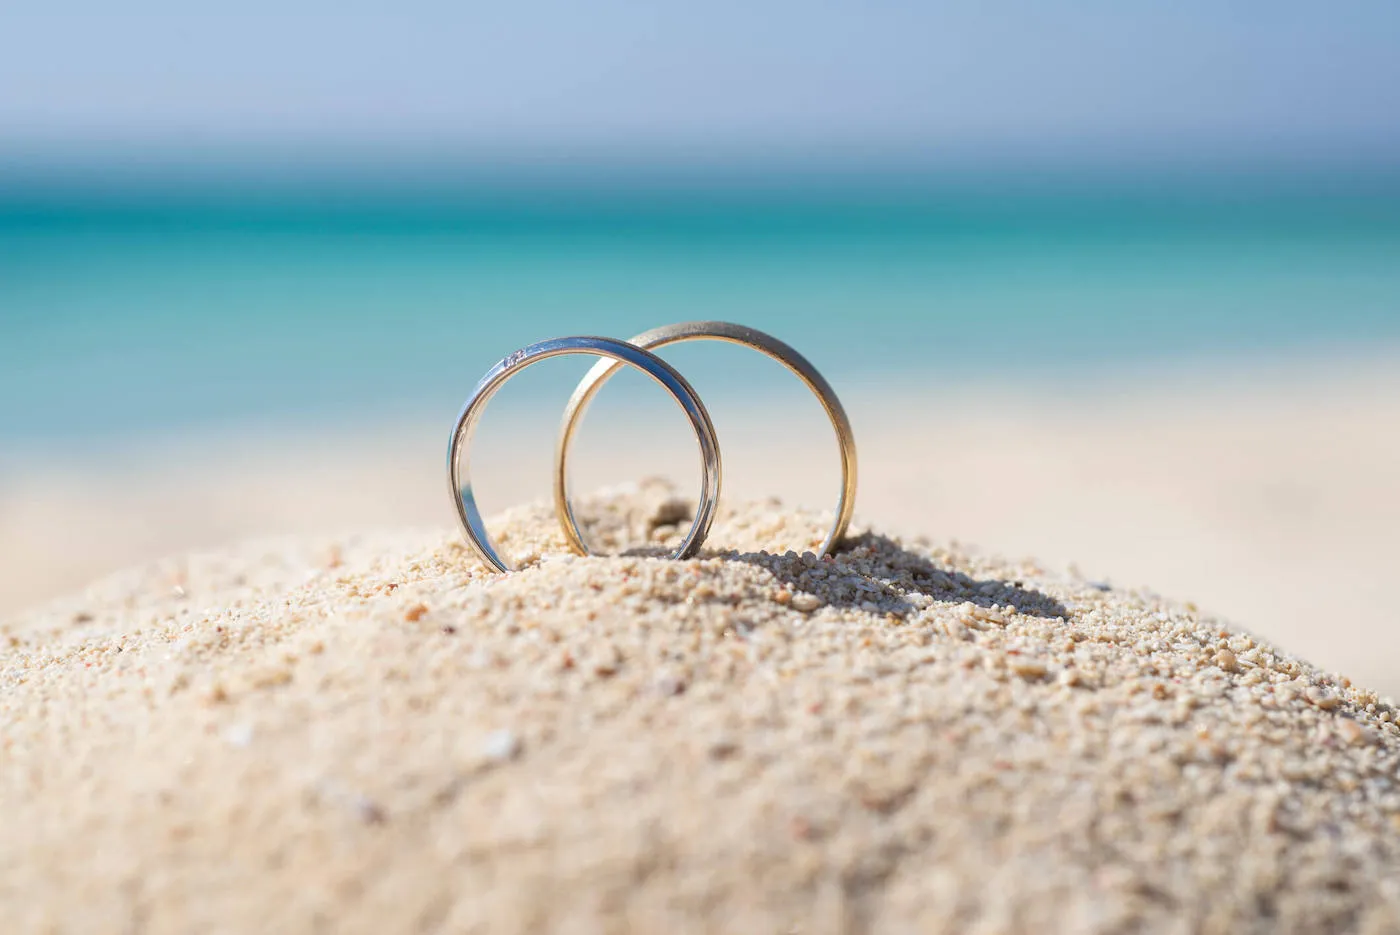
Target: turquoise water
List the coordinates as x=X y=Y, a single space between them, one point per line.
x=152 y=310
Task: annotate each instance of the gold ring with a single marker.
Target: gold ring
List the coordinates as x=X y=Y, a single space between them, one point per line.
x=766 y=344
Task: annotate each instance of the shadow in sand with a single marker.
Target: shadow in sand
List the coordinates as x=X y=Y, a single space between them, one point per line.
x=874 y=569
x=877 y=570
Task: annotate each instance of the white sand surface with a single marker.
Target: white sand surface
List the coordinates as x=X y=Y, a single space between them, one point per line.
x=1270 y=496
x=373 y=734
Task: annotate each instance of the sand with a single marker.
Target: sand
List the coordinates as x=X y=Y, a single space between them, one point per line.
x=373 y=734
x=1267 y=496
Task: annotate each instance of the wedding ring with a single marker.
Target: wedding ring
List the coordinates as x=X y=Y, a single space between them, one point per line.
x=656 y=338
x=618 y=353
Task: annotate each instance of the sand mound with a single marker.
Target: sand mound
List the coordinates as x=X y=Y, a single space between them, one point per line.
x=376 y=735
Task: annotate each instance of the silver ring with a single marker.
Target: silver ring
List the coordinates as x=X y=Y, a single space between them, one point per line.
x=621 y=353
x=751 y=338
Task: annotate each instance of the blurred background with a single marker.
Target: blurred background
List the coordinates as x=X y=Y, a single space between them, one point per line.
x=1106 y=285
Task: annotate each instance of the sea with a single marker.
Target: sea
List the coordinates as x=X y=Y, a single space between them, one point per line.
x=137 y=304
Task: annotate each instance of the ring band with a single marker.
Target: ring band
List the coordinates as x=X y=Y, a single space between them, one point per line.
x=766 y=344
x=620 y=353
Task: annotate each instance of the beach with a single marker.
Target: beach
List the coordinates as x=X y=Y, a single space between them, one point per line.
x=1111 y=645
x=1266 y=496
x=1110 y=298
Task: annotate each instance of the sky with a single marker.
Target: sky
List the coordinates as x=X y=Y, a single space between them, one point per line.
x=1189 y=78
